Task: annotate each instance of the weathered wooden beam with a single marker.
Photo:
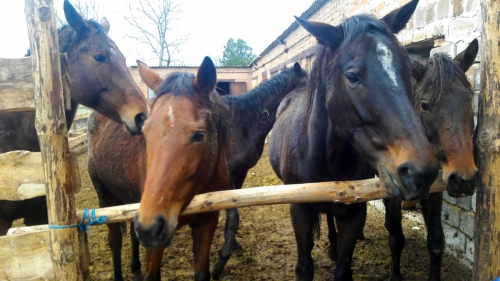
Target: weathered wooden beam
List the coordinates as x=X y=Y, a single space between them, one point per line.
x=22 y=177
x=50 y=123
x=26 y=257
x=77 y=140
x=487 y=240
x=341 y=192
x=17 y=87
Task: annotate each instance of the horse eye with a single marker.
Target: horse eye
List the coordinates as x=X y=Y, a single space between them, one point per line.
x=197 y=136
x=100 y=58
x=424 y=106
x=352 y=78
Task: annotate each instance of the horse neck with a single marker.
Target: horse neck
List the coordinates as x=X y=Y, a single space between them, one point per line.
x=259 y=107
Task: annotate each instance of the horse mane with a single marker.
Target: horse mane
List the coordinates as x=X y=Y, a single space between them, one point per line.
x=253 y=100
x=441 y=70
x=67 y=36
x=352 y=27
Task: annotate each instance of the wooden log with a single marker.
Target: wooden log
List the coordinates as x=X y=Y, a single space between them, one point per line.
x=50 y=123
x=22 y=177
x=17 y=86
x=26 y=257
x=340 y=192
x=487 y=222
x=77 y=140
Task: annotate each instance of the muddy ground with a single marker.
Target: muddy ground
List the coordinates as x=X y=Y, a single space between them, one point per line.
x=269 y=250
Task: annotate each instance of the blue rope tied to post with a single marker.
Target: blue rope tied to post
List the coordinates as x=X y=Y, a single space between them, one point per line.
x=87 y=215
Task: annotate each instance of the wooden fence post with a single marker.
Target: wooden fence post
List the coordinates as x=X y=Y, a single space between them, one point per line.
x=487 y=241
x=51 y=128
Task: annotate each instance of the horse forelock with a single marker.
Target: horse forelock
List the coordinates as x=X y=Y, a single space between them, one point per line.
x=441 y=70
x=68 y=37
x=330 y=58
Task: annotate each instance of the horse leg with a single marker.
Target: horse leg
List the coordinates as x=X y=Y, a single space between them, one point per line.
x=393 y=219
x=202 y=231
x=135 y=262
x=115 y=244
x=303 y=222
x=230 y=229
x=349 y=227
x=153 y=264
x=431 y=209
x=332 y=237
x=114 y=229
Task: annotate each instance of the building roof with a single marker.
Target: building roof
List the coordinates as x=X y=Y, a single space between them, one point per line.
x=316 y=5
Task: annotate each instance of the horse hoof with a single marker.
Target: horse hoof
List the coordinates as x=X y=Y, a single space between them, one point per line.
x=216 y=270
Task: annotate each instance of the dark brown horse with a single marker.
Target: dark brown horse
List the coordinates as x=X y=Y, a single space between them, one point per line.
x=99 y=79
x=249 y=118
x=354 y=120
x=252 y=116
x=443 y=99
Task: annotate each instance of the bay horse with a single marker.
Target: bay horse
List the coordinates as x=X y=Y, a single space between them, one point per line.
x=99 y=79
x=185 y=148
x=252 y=116
x=443 y=100
x=354 y=120
x=117 y=182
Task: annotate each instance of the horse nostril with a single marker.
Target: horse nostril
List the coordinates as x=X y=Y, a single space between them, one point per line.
x=160 y=227
x=139 y=120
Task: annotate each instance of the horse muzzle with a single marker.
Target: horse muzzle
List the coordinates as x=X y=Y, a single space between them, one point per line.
x=409 y=183
x=159 y=234
x=458 y=186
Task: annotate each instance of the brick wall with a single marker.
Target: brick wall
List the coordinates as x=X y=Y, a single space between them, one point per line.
x=439 y=25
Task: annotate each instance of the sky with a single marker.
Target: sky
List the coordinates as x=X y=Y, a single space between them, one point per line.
x=208 y=24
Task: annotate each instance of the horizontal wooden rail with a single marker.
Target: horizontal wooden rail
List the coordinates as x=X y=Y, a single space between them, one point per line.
x=339 y=191
x=22 y=177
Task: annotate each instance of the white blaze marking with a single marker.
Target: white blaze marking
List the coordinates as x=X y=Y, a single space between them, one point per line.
x=385 y=57
x=161 y=200
x=171 y=116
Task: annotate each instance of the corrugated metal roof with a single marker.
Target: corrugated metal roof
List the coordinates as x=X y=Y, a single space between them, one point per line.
x=305 y=15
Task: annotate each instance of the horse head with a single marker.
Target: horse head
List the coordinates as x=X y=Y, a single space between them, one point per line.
x=366 y=79
x=183 y=150
x=99 y=75
x=443 y=99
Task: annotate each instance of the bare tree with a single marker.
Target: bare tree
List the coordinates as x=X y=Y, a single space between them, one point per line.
x=153 y=20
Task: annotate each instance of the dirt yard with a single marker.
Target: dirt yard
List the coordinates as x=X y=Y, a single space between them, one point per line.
x=269 y=250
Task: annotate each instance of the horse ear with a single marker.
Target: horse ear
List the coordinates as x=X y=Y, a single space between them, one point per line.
x=105 y=24
x=397 y=19
x=207 y=76
x=296 y=68
x=418 y=70
x=466 y=58
x=149 y=76
x=74 y=19
x=328 y=35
